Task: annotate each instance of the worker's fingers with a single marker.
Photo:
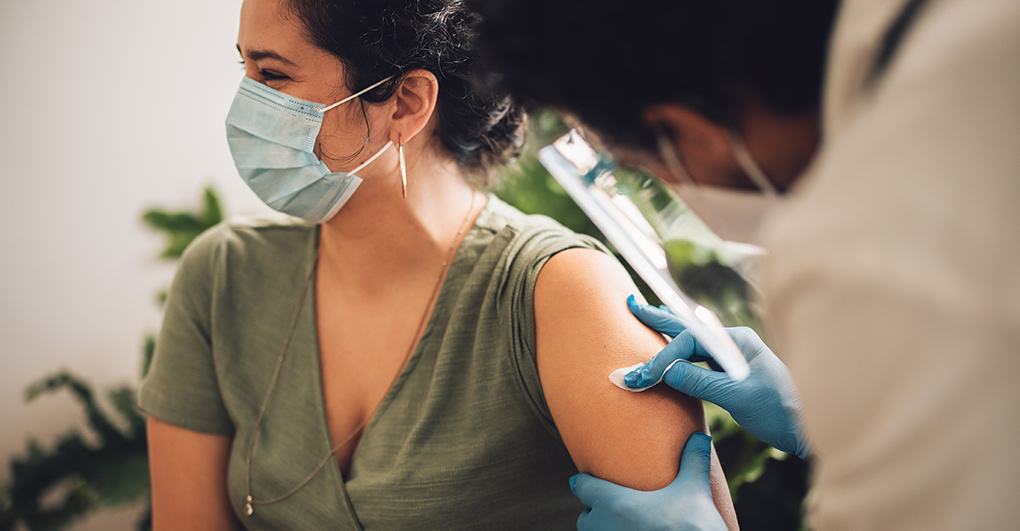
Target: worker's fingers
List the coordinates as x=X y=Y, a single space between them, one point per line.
x=703 y=384
x=581 y=520
x=696 y=465
x=683 y=347
x=593 y=491
x=748 y=341
x=655 y=318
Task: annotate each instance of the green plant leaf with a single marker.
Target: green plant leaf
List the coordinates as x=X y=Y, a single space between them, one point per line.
x=181 y=227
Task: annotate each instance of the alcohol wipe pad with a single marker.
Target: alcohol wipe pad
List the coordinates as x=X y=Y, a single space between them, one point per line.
x=617 y=377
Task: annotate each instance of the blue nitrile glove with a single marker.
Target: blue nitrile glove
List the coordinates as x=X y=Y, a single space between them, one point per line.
x=685 y=504
x=765 y=403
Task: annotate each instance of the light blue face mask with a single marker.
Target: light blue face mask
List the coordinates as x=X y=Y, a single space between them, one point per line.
x=272 y=139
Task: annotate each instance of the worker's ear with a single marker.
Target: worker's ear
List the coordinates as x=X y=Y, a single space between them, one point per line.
x=415 y=99
x=701 y=141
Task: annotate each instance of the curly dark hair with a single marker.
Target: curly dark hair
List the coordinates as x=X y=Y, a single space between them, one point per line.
x=606 y=61
x=482 y=128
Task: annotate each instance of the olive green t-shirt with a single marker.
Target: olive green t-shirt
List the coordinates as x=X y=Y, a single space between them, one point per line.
x=463 y=440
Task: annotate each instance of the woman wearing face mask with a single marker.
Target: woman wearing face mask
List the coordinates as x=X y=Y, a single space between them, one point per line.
x=401 y=350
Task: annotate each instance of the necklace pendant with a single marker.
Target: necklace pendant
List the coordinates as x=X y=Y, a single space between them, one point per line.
x=249 y=506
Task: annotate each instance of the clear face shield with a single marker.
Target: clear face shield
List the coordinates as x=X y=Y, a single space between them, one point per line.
x=706 y=281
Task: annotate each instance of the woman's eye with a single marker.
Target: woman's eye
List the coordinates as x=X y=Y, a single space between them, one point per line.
x=267 y=75
x=270 y=75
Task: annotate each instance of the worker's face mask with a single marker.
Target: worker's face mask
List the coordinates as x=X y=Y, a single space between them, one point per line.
x=734 y=215
x=272 y=139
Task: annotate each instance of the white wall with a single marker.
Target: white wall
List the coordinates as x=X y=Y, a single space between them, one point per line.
x=106 y=107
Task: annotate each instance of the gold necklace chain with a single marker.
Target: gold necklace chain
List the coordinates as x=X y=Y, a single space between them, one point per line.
x=249 y=501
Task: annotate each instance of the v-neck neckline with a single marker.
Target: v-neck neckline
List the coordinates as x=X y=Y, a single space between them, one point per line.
x=405 y=370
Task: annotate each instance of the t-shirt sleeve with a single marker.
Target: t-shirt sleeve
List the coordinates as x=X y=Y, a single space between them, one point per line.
x=530 y=251
x=181 y=385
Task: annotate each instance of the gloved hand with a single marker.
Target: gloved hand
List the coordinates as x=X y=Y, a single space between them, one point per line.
x=765 y=403
x=684 y=504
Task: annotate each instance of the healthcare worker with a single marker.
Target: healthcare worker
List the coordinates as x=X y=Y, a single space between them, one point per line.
x=878 y=142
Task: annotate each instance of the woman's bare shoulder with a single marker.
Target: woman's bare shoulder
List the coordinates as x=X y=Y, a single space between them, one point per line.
x=584 y=331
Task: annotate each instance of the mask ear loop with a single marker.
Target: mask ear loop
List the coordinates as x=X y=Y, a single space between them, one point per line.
x=353 y=96
x=403 y=165
x=373 y=158
x=668 y=153
x=751 y=167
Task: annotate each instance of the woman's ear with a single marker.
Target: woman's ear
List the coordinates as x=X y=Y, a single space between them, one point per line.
x=416 y=98
x=692 y=133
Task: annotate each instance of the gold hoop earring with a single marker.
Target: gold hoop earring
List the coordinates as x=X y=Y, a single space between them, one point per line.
x=403 y=165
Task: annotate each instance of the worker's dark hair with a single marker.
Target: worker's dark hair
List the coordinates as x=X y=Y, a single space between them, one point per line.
x=605 y=61
x=480 y=128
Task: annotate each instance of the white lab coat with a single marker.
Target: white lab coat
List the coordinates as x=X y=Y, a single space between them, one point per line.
x=892 y=288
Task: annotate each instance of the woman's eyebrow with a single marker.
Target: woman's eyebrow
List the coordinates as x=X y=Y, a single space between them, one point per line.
x=255 y=55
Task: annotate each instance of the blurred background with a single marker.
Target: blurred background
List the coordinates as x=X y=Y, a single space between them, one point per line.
x=109 y=107
x=112 y=158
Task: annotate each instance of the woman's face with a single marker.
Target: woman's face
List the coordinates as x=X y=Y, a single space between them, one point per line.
x=277 y=51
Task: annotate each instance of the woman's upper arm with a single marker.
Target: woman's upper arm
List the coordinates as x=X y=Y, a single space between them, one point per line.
x=189 y=478
x=181 y=385
x=584 y=331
